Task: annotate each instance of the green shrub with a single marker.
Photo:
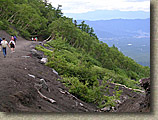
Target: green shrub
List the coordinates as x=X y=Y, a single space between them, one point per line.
x=95 y=94
x=4 y=25
x=12 y=32
x=1 y=24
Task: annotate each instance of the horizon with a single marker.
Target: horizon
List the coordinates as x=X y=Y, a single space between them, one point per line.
x=108 y=15
x=103 y=9
x=116 y=19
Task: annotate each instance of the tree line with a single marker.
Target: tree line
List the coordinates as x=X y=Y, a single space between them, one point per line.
x=30 y=17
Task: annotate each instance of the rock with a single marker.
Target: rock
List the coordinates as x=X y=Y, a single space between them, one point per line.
x=55 y=71
x=145 y=83
x=118 y=101
x=31 y=75
x=81 y=104
x=41 y=43
x=106 y=109
x=34 y=51
x=37 y=54
x=44 y=60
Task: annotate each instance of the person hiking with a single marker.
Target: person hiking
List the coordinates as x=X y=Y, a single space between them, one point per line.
x=32 y=38
x=12 y=45
x=4 y=44
x=12 y=38
x=36 y=39
x=15 y=38
x=0 y=43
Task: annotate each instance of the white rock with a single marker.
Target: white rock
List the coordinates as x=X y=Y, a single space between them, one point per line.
x=33 y=50
x=44 y=60
x=31 y=75
x=55 y=71
x=81 y=104
x=51 y=100
x=106 y=108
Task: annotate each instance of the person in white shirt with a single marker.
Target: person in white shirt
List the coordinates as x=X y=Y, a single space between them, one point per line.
x=4 y=44
x=12 y=45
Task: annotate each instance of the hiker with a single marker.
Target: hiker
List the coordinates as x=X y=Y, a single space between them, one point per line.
x=36 y=39
x=4 y=44
x=32 y=38
x=12 y=38
x=0 y=43
x=12 y=45
x=15 y=38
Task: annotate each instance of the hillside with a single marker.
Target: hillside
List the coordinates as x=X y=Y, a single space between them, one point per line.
x=19 y=90
x=131 y=36
x=68 y=63
x=23 y=91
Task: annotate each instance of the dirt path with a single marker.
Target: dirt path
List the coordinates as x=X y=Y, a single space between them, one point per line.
x=20 y=80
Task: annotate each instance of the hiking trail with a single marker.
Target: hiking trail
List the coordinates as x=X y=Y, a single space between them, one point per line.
x=28 y=85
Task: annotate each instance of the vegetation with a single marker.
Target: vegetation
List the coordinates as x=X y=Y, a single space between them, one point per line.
x=30 y=17
x=77 y=54
x=81 y=71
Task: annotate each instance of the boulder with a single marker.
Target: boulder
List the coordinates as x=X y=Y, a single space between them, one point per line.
x=44 y=60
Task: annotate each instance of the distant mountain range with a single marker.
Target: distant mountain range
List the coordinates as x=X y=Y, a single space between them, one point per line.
x=109 y=14
x=131 y=36
x=121 y=27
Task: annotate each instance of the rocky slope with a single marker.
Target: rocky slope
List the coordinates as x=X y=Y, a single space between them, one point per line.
x=27 y=85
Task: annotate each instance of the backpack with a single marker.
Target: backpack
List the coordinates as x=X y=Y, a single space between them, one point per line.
x=14 y=38
x=11 y=43
x=4 y=44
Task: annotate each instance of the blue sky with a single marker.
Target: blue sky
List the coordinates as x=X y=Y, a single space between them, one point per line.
x=77 y=8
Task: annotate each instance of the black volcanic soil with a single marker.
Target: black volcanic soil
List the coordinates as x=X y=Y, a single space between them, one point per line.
x=21 y=88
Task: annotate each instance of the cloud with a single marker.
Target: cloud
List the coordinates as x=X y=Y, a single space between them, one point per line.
x=83 y=6
x=136 y=0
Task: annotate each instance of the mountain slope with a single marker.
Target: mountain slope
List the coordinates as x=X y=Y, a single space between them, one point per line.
x=23 y=91
x=73 y=51
x=131 y=36
x=19 y=87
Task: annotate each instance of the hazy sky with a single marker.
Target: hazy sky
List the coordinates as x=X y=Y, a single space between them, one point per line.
x=83 y=6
